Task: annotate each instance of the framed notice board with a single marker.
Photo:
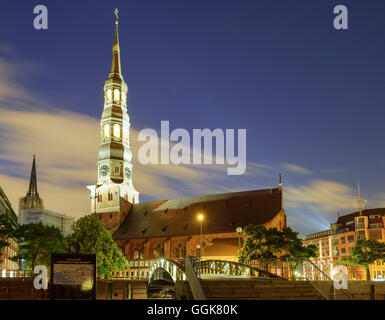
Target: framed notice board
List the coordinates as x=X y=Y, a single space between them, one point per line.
x=73 y=276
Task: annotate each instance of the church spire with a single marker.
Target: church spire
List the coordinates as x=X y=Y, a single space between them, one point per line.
x=32 y=191
x=32 y=199
x=115 y=66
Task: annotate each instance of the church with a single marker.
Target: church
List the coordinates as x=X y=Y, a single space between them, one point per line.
x=167 y=228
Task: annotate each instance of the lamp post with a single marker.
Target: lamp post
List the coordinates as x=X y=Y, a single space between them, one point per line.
x=200 y=219
x=199 y=257
x=239 y=231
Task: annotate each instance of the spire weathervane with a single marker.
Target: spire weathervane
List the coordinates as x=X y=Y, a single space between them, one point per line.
x=116 y=15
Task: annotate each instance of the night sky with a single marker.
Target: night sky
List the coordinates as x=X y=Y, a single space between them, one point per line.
x=311 y=97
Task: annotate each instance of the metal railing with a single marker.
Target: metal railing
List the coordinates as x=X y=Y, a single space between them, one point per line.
x=16 y=274
x=232 y=268
x=305 y=269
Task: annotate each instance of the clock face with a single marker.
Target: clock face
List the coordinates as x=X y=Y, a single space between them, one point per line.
x=127 y=173
x=104 y=170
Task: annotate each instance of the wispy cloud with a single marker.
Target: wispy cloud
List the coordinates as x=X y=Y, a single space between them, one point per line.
x=296 y=169
x=66 y=145
x=323 y=195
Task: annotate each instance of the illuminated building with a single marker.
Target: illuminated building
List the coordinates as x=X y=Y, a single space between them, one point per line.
x=31 y=208
x=338 y=241
x=11 y=250
x=168 y=228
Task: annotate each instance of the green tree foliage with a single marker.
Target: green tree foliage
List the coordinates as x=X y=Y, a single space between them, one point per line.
x=91 y=237
x=270 y=244
x=37 y=242
x=364 y=253
x=7 y=231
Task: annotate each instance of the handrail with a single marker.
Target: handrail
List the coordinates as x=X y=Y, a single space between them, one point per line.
x=193 y=280
x=233 y=268
x=304 y=274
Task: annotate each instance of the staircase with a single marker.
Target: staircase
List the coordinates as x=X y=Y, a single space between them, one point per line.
x=255 y=289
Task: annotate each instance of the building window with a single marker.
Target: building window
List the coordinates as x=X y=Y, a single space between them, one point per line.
x=109 y=95
x=116 y=95
x=343 y=252
x=117 y=169
x=360 y=223
x=360 y=235
x=100 y=198
x=106 y=131
x=116 y=131
x=350 y=239
x=110 y=197
x=343 y=240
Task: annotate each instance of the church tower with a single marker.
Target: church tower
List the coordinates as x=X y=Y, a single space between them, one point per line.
x=114 y=193
x=32 y=199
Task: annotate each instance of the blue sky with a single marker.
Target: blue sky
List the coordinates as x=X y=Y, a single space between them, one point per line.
x=311 y=97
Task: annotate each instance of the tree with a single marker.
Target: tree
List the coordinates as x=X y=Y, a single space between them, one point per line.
x=37 y=243
x=268 y=245
x=294 y=246
x=261 y=244
x=364 y=253
x=7 y=230
x=91 y=237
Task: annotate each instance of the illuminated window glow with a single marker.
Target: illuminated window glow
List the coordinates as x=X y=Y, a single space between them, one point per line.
x=109 y=95
x=106 y=131
x=116 y=95
x=116 y=131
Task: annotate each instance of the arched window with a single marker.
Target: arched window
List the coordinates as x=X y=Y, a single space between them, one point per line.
x=116 y=95
x=116 y=131
x=124 y=98
x=110 y=195
x=125 y=134
x=106 y=131
x=155 y=253
x=136 y=254
x=109 y=95
x=100 y=199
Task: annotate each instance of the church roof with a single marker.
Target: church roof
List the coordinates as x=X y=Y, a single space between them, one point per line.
x=223 y=213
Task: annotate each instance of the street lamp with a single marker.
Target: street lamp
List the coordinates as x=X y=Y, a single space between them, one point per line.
x=200 y=219
x=239 y=231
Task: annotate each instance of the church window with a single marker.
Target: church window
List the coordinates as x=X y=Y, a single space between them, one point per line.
x=110 y=195
x=109 y=95
x=124 y=99
x=136 y=254
x=117 y=169
x=116 y=95
x=99 y=197
x=155 y=254
x=116 y=131
x=125 y=134
x=106 y=131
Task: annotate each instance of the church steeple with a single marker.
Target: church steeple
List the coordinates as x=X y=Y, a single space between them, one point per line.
x=32 y=191
x=32 y=199
x=114 y=190
x=115 y=66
